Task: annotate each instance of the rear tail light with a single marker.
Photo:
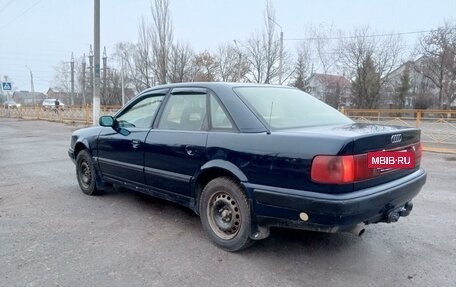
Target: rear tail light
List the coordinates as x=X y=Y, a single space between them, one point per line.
x=340 y=169
x=350 y=168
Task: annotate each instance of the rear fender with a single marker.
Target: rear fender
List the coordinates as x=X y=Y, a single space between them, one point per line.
x=257 y=232
x=226 y=165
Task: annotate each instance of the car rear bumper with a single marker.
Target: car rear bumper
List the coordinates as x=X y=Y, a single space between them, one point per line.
x=334 y=212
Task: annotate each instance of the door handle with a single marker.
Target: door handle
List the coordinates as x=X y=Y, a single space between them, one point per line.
x=191 y=150
x=135 y=143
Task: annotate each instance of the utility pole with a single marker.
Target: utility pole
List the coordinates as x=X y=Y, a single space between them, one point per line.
x=122 y=82
x=281 y=50
x=72 y=79
x=83 y=80
x=96 y=80
x=91 y=69
x=32 y=87
x=281 y=57
x=105 y=68
x=240 y=61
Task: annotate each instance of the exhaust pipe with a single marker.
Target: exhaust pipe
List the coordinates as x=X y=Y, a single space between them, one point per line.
x=358 y=230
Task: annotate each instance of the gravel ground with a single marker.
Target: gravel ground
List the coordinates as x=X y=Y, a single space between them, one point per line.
x=53 y=235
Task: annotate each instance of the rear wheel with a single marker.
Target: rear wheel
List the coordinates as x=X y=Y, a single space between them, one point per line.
x=86 y=173
x=225 y=214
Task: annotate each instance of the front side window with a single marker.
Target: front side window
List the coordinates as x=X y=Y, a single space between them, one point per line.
x=184 y=112
x=282 y=108
x=141 y=114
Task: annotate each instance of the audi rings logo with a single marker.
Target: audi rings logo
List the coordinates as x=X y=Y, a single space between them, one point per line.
x=397 y=138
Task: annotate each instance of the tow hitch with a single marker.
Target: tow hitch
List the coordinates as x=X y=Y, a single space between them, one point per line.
x=393 y=216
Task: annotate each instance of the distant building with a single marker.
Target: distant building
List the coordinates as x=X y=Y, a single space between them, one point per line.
x=422 y=93
x=27 y=98
x=332 y=89
x=64 y=97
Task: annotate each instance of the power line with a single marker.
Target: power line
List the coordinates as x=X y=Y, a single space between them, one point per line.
x=20 y=15
x=6 y=5
x=353 y=37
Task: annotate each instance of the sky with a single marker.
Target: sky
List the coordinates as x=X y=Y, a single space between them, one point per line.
x=38 y=35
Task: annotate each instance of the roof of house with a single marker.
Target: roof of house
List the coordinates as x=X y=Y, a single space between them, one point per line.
x=28 y=95
x=331 y=80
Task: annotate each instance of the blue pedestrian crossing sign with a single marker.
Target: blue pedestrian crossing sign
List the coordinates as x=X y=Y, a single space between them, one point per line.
x=6 y=86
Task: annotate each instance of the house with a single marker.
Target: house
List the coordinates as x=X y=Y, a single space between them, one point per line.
x=422 y=94
x=27 y=98
x=332 y=89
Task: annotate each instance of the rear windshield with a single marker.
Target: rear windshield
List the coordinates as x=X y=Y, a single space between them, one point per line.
x=283 y=108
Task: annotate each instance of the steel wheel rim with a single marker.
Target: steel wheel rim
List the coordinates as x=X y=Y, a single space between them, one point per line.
x=85 y=174
x=224 y=215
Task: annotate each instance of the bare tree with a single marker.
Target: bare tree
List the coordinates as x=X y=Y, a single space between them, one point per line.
x=143 y=58
x=136 y=59
x=124 y=57
x=113 y=93
x=325 y=50
x=263 y=50
x=161 y=34
x=438 y=49
x=232 y=66
x=369 y=61
x=62 y=80
x=180 y=63
x=205 y=67
x=256 y=57
x=271 y=44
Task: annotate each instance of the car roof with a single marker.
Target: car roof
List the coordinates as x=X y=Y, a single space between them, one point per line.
x=213 y=85
x=245 y=120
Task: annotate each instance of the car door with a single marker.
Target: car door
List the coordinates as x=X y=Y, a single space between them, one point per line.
x=176 y=147
x=121 y=148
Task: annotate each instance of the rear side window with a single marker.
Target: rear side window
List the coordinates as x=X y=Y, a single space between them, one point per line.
x=282 y=108
x=219 y=119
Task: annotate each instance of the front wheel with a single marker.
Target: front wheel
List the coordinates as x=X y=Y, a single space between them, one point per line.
x=86 y=173
x=225 y=214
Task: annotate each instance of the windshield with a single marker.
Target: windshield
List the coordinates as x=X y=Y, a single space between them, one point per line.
x=282 y=107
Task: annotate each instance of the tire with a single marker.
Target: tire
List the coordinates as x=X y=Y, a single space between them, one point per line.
x=225 y=214
x=86 y=173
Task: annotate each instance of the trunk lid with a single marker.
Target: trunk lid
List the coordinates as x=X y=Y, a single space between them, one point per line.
x=368 y=137
x=362 y=138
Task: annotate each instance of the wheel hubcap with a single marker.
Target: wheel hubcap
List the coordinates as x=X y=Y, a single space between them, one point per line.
x=224 y=215
x=85 y=174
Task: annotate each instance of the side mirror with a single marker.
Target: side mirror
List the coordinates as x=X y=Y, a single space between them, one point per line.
x=106 y=121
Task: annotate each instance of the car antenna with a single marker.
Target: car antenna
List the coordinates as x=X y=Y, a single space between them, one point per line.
x=270 y=116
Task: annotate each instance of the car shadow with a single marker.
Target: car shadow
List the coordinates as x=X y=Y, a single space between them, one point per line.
x=281 y=241
x=151 y=203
